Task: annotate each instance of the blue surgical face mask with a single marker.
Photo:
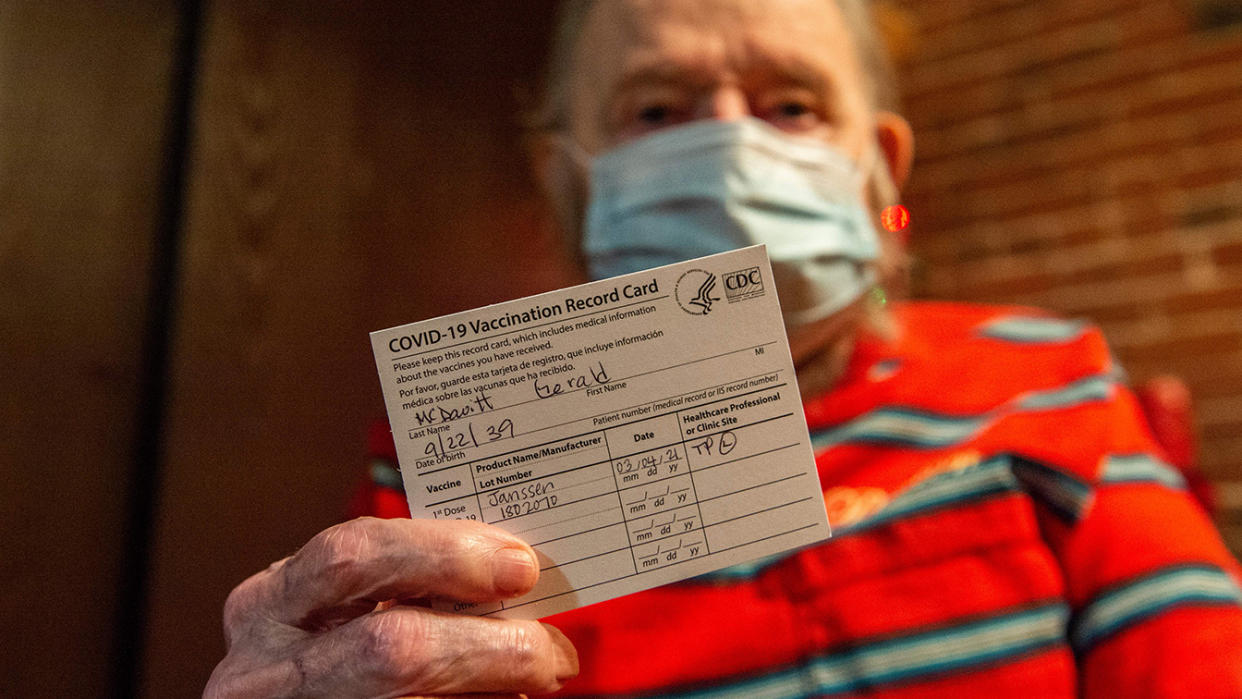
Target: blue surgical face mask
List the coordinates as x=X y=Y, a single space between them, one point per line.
x=712 y=186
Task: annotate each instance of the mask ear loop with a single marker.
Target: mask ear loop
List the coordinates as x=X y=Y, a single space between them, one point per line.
x=867 y=162
x=576 y=153
x=880 y=191
x=877 y=190
x=567 y=189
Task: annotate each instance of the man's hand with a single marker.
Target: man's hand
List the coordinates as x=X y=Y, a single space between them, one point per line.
x=323 y=622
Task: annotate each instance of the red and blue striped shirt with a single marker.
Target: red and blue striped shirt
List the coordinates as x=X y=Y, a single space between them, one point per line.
x=1003 y=526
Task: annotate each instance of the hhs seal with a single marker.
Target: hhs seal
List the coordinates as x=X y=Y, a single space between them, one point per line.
x=695 y=292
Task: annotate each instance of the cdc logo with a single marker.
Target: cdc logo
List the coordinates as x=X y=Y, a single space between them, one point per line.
x=743 y=284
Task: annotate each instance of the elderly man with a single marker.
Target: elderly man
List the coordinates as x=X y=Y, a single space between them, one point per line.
x=1004 y=527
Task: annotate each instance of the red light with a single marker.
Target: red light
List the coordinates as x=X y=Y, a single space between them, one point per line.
x=895 y=218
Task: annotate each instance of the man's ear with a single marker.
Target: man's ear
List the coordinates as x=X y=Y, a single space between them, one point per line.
x=896 y=141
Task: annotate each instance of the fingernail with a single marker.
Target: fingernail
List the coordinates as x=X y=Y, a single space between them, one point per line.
x=514 y=571
x=566 y=654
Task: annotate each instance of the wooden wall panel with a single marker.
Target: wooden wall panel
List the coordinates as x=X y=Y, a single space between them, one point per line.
x=83 y=94
x=353 y=168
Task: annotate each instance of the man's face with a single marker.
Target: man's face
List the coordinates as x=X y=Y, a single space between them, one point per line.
x=643 y=65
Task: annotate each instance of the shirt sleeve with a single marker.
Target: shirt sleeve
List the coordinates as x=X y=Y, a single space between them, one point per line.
x=1154 y=593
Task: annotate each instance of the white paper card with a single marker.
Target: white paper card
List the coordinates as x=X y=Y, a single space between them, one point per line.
x=635 y=431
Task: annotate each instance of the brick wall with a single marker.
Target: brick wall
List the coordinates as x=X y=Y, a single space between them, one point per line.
x=1085 y=156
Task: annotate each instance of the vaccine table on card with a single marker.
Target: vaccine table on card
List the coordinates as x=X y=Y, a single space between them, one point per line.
x=635 y=431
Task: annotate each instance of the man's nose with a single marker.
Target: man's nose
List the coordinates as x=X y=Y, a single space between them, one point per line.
x=724 y=103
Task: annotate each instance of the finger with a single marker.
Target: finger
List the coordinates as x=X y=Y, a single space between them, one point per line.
x=346 y=569
x=412 y=651
x=367 y=560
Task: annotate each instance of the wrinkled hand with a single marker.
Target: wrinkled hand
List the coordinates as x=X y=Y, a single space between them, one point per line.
x=323 y=622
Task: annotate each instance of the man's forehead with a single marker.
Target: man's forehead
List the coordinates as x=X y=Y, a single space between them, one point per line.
x=643 y=66
x=637 y=32
x=625 y=41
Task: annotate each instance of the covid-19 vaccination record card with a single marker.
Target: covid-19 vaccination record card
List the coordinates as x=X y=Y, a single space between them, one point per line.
x=634 y=431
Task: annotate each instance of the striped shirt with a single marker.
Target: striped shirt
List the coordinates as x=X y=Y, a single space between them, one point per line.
x=1003 y=526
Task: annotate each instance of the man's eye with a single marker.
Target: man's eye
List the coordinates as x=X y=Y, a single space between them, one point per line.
x=655 y=114
x=794 y=116
x=792 y=109
x=648 y=107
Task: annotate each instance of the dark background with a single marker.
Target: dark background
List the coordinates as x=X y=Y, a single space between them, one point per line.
x=205 y=207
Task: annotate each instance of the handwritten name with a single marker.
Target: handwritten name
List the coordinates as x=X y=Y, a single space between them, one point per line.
x=596 y=375
x=478 y=405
